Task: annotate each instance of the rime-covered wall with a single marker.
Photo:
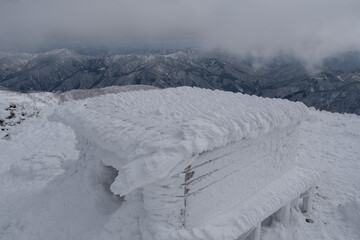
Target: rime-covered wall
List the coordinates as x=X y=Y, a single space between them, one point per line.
x=189 y=156
x=155 y=133
x=224 y=178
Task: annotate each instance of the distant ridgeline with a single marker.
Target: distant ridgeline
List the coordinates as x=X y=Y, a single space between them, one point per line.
x=335 y=86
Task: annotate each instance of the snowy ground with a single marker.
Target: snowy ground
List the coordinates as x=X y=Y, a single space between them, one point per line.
x=331 y=143
x=40 y=178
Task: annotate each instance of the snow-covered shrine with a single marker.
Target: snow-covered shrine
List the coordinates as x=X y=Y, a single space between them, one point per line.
x=193 y=163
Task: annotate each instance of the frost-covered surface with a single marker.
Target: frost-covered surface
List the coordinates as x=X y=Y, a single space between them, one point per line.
x=226 y=177
x=223 y=195
x=242 y=218
x=70 y=198
x=19 y=107
x=150 y=137
x=157 y=133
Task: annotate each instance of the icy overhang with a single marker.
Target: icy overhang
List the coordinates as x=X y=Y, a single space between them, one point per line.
x=156 y=133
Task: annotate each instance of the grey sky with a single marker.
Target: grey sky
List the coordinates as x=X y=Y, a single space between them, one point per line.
x=308 y=28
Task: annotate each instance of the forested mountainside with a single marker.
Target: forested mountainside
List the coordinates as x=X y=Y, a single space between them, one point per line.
x=333 y=86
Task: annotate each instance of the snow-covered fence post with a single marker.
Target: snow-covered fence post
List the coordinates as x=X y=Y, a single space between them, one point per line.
x=307 y=200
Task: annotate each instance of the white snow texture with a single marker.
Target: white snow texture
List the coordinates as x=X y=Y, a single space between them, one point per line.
x=56 y=174
x=152 y=134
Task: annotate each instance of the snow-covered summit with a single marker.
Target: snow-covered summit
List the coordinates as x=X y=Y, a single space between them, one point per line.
x=49 y=192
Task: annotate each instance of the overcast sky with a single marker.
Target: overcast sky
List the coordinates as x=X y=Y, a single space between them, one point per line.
x=308 y=28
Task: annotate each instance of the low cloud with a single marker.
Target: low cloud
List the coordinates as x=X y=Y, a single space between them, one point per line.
x=310 y=29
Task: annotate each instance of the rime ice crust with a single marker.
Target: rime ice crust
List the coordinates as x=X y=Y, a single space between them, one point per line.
x=157 y=132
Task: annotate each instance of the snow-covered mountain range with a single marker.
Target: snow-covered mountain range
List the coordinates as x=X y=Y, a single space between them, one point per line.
x=333 y=86
x=48 y=191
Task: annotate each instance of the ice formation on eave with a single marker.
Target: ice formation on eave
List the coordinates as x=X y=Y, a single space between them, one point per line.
x=155 y=133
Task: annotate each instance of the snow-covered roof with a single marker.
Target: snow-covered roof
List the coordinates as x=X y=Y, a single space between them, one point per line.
x=155 y=133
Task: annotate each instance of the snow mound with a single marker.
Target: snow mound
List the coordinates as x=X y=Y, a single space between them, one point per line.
x=155 y=133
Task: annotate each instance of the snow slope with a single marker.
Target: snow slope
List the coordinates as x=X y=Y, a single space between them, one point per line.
x=32 y=153
x=48 y=193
